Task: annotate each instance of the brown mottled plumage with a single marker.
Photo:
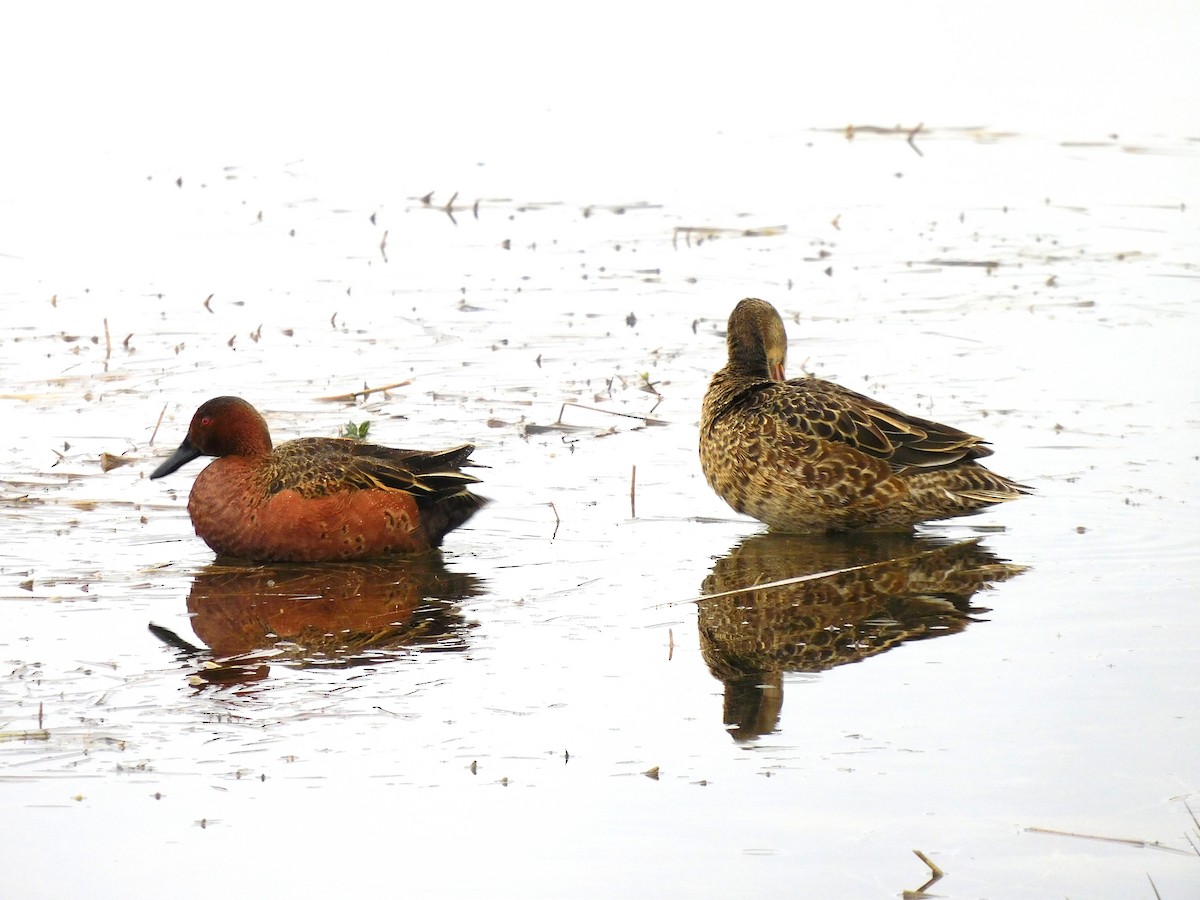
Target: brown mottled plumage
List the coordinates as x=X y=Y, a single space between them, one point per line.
x=809 y=455
x=316 y=499
x=882 y=590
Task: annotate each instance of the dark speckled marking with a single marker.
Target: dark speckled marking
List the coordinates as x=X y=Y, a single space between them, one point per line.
x=810 y=455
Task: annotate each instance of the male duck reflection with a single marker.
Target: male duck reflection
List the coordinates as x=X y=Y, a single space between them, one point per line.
x=808 y=455
x=251 y=616
x=316 y=499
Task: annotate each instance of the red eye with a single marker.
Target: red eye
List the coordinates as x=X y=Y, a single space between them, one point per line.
x=206 y=421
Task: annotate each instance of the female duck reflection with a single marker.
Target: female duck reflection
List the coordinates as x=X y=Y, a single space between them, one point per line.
x=339 y=614
x=906 y=587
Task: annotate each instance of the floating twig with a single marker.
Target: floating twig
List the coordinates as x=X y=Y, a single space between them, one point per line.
x=910 y=139
x=154 y=433
x=935 y=873
x=633 y=493
x=705 y=232
x=1128 y=842
x=364 y=393
x=38 y=735
x=608 y=412
x=933 y=867
x=989 y=264
x=910 y=134
x=800 y=579
x=783 y=582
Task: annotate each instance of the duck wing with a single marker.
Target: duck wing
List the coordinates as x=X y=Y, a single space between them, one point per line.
x=322 y=466
x=831 y=412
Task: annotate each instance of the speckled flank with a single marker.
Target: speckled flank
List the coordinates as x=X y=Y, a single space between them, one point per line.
x=316 y=499
x=809 y=455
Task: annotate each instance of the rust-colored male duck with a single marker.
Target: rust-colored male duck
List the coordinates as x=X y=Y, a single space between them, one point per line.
x=316 y=499
x=808 y=455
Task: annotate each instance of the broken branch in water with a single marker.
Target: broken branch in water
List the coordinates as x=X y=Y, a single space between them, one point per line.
x=157 y=424
x=799 y=579
x=935 y=873
x=647 y=420
x=704 y=233
x=40 y=735
x=910 y=134
x=365 y=392
x=813 y=576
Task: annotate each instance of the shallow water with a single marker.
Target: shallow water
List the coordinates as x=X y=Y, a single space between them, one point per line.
x=545 y=709
x=510 y=700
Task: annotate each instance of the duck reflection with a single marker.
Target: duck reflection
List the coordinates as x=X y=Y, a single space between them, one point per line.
x=334 y=614
x=879 y=590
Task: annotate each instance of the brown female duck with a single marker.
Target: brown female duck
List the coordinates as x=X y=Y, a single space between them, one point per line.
x=808 y=455
x=316 y=499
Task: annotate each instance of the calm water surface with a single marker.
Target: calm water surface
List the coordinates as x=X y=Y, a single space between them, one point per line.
x=544 y=709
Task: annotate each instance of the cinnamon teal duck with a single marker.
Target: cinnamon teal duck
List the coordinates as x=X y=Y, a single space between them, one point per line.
x=316 y=499
x=808 y=455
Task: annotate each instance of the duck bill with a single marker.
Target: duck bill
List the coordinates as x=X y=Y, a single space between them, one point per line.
x=775 y=370
x=185 y=454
